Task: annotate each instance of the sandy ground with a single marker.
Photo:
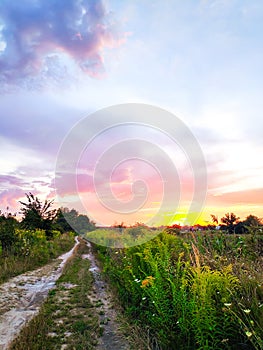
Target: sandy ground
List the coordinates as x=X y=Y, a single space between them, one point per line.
x=21 y=297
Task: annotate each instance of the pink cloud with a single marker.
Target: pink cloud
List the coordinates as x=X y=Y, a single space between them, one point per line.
x=9 y=198
x=245 y=197
x=37 y=32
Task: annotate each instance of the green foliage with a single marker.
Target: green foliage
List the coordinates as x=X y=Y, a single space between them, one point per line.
x=67 y=220
x=8 y=225
x=32 y=249
x=188 y=291
x=137 y=230
x=209 y=291
x=37 y=215
x=129 y=237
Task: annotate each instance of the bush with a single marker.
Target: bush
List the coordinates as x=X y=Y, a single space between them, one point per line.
x=31 y=250
x=7 y=234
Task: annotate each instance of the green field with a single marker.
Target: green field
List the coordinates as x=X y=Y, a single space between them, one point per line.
x=190 y=291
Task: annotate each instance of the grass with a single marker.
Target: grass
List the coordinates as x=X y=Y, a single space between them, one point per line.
x=199 y=291
x=194 y=291
x=67 y=317
x=34 y=253
x=127 y=237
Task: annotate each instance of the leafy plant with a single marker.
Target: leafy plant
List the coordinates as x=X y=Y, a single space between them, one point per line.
x=187 y=291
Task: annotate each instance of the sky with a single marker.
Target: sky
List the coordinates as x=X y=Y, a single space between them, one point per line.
x=64 y=65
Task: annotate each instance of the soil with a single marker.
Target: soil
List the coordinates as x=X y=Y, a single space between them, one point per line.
x=112 y=338
x=22 y=296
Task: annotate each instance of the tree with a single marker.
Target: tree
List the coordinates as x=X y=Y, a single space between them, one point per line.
x=38 y=215
x=230 y=219
x=68 y=220
x=8 y=238
x=251 y=224
x=120 y=226
x=252 y=221
x=84 y=224
x=61 y=224
x=138 y=229
x=214 y=219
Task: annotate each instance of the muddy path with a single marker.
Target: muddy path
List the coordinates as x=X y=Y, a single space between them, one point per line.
x=22 y=296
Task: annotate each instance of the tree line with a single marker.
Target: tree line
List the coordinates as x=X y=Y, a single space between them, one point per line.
x=232 y=223
x=38 y=215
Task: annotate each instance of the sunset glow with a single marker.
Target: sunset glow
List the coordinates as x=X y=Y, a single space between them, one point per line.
x=60 y=62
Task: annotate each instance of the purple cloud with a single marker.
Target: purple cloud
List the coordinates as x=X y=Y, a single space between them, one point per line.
x=9 y=180
x=35 y=34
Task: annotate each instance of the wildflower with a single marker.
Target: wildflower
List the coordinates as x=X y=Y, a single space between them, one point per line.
x=144 y=298
x=137 y=280
x=247 y=311
x=225 y=340
x=249 y=334
x=145 y=283
x=148 y=281
x=181 y=255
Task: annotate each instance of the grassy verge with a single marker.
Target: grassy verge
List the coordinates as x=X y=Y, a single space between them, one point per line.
x=66 y=319
x=138 y=338
x=36 y=252
x=192 y=292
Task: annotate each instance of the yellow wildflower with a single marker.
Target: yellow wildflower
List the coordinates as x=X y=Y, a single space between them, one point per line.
x=148 y=281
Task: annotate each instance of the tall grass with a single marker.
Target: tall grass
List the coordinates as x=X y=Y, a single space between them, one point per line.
x=33 y=250
x=116 y=238
x=191 y=292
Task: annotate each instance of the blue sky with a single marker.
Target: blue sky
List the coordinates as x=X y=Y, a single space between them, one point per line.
x=200 y=60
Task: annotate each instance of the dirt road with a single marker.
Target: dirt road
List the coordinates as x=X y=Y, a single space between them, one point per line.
x=21 y=297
